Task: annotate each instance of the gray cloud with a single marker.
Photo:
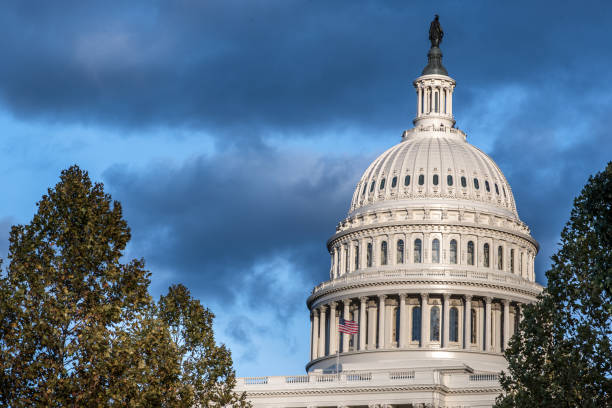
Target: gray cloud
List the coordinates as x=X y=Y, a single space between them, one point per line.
x=213 y=221
x=239 y=67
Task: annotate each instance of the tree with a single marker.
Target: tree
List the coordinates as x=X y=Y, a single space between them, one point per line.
x=562 y=353
x=79 y=328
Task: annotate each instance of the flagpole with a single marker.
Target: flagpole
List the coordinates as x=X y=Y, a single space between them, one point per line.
x=338 y=356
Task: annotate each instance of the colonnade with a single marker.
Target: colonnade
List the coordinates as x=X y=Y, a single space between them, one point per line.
x=415 y=320
x=434 y=99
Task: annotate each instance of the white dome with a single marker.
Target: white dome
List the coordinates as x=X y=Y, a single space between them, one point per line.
x=434 y=166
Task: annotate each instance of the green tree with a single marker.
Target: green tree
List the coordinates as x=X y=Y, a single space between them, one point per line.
x=79 y=328
x=562 y=353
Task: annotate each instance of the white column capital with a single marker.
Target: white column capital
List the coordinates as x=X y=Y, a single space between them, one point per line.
x=488 y=300
x=505 y=302
x=363 y=299
x=402 y=296
x=346 y=302
x=468 y=298
x=446 y=296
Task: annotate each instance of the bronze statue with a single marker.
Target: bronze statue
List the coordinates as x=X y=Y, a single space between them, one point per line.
x=435 y=32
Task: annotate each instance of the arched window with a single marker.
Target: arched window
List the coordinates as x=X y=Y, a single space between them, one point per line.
x=454 y=324
x=369 y=255
x=383 y=253
x=435 y=180
x=372 y=186
x=435 y=251
x=434 y=324
x=476 y=185
x=356 y=257
x=487 y=186
x=474 y=326
x=449 y=180
x=453 y=251
x=470 y=253
x=463 y=182
x=365 y=186
x=407 y=180
x=400 y=251
x=394 y=182
x=416 y=323
x=421 y=179
x=500 y=258
x=496 y=189
x=512 y=260
x=418 y=250
x=396 y=325
x=485 y=257
x=382 y=184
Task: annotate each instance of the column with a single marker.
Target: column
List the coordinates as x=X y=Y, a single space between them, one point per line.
x=362 y=322
x=322 y=319
x=341 y=261
x=381 y=321
x=333 y=329
x=467 y=322
x=419 y=93
x=487 y=333
x=345 y=315
x=506 y=334
x=520 y=311
x=446 y=323
x=403 y=320
x=315 y=335
x=424 y=319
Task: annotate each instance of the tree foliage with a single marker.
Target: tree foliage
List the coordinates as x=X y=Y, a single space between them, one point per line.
x=562 y=353
x=79 y=328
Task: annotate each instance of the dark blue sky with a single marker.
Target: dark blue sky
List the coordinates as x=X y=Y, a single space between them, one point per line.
x=233 y=132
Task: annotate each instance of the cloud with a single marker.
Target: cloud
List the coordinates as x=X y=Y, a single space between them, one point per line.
x=237 y=223
x=240 y=69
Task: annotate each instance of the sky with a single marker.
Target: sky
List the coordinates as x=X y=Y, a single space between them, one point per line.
x=234 y=132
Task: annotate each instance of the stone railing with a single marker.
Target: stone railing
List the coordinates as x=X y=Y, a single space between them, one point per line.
x=369 y=378
x=393 y=273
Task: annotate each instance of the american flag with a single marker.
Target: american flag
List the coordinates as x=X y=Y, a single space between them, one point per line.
x=348 y=326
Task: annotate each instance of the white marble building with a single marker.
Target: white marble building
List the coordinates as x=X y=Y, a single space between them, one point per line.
x=433 y=262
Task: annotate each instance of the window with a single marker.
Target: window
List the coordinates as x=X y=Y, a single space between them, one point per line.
x=453 y=251
x=434 y=324
x=435 y=180
x=435 y=251
x=512 y=260
x=476 y=185
x=372 y=186
x=369 y=255
x=504 y=190
x=382 y=184
x=417 y=250
x=356 y=257
x=407 y=180
x=347 y=261
x=365 y=186
x=453 y=320
x=416 y=323
x=421 y=179
x=470 y=253
x=487 y=186
x=449 y=180
x=400 y=251
x=394 y=182
x=463 y=182
x=383 y=253
x=496 y=189
x=500 y=258
x=474 y=326
x=485 y=258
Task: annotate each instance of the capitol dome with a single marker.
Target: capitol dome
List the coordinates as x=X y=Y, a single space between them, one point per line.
x=433 y=167
x=428 y=274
